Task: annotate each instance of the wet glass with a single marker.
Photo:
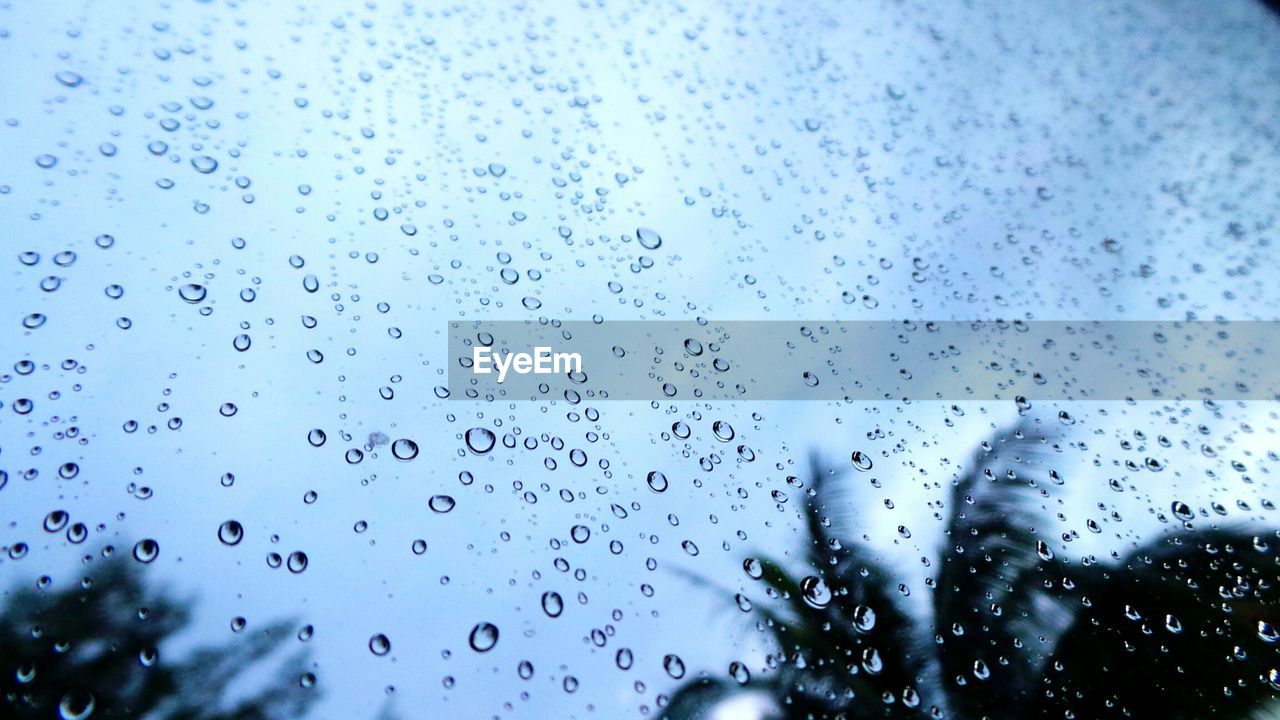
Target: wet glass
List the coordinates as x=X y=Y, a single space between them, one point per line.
x=244 y=472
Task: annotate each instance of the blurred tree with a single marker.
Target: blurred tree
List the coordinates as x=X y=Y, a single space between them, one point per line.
x=94 y=651
x=1184 y=627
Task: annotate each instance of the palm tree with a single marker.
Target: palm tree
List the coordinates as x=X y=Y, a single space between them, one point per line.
x=1183 y=627
x=94 y=651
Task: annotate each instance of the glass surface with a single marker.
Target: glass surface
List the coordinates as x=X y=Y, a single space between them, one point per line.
x=234 y=481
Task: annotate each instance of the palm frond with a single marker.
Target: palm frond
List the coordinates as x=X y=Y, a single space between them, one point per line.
x=994 y=586
x=1183 y=628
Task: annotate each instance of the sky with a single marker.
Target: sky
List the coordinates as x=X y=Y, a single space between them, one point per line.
x=878 y=160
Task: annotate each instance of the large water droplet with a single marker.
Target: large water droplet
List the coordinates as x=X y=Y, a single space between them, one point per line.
x=231 y=532
x=864 y=618
x=204 y=164
x=297 y=561
x=192 y=293
x=674 y=666
x=1044 y=551
x=480 y=440
x=649 y=239
x=483 y=637
x=145 y=551
x=723 y=430
x=404 y=449
x=861 y=461
x=815 y=592
x=76 y=705
x=68 y=78
x=552 y=604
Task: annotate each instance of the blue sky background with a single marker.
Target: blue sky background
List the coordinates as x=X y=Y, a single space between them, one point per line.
x=873 y=160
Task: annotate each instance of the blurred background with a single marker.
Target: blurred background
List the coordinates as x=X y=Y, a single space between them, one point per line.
x=232 y=483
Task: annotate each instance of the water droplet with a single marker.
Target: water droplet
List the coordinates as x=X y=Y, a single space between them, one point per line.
x=441 y=503
x=204 y=164
x=404 y=449
x=674 y=666
x=379 y=645
x=552 y=603
x=76 y=705
x=483 y=637
x=192 y=293
x=68 y=78
x=56 y=520
x=1044 y=551
x=861 y=461
x=657 y=481
x=723 y=430
x=815 y=592
x=231 y=532
x=480 y=440
x=297 y=562
x=649 y=239
x=864 y=618
x=145 y=551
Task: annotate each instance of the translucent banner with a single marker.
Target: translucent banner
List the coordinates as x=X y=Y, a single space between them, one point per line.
x=864 y=361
